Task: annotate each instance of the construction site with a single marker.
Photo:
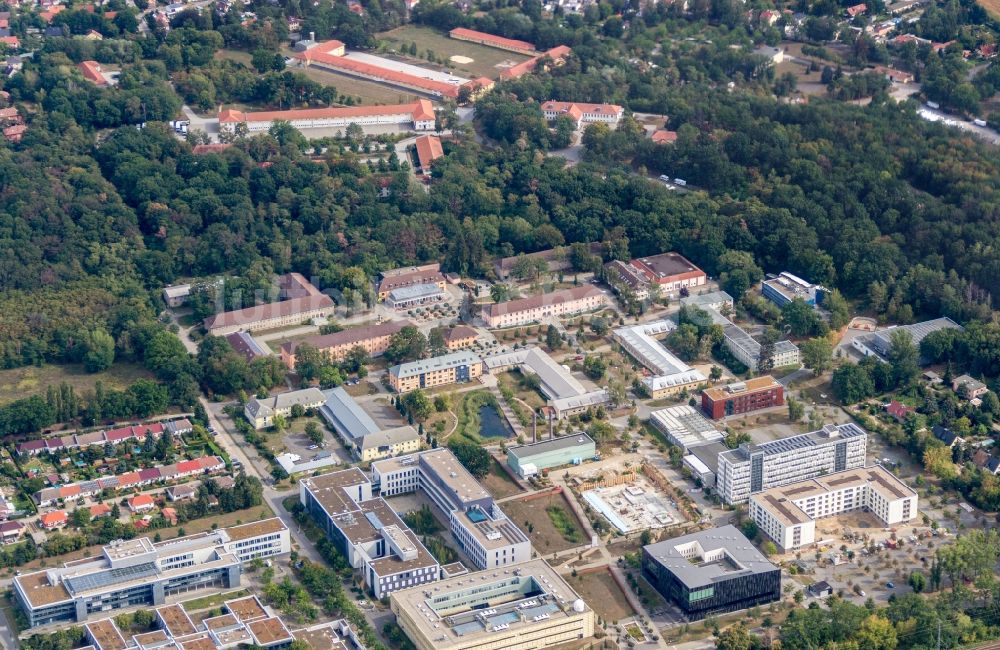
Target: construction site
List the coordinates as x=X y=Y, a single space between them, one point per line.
x=631 y=503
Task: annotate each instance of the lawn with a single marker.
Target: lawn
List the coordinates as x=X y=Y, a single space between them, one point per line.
x=991 y=6
x=233 y=55
x=498 y=483
x=486 y=61
x=600 y=590
x=16 y=383
x=534 y=518
x=364 y=92
x=213 y=601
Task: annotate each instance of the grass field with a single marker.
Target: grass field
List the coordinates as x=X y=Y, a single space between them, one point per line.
x=364 y=92
x=485 y=60
x=534 y=518
x=991 y=6
x=604 y=595
x=233 y=55
x=16 y=383
x=498 y=482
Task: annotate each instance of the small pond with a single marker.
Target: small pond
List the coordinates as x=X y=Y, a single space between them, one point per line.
x=492 y=424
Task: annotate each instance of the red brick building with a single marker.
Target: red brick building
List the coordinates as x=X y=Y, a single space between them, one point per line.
x=742 y=397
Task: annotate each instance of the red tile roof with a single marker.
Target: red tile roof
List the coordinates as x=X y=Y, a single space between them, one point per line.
x=291 y=307
x=428 y=150
x=140 y=501
x=11 y=41
x=91 y=71
x=557 y=54
x=99 y=509
x=499 y=41
x=50 y=519
x=352 y=65
x=663 y=136
x=201 y=149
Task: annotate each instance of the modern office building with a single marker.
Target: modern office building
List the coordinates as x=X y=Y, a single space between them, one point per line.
x=261 y=412
x=140 y=572
x=524 y=311
x=367 y=532
x=755 y=468
x=566 y=395
x=670 y=375
x=477 y=523
x=878 y=344
x=528 y=606
x=788 y=514
x=742 y=397
x=416 y=295
x=684 y=426
x=711 y=572
x=786 y=287
x=746 y=348
x=572 y=449
x=453 y=368
x=373 y=339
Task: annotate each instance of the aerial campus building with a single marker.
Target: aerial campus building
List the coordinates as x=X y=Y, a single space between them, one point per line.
x=140 y=572
x=533 y=309
x=301 y=302
x=566 y=395
x=755 y=468
x=454 y=368
x=477 y=523
x=670 y=374
x=367 y=531
x=685 y=427
x=670 y=271
x=260 y=412
x=528 y=460
x=359 y=431
x=418 y=115
x=788 y=514
x=711 y=572
x=878 y=344
x=527 y=606
x=373 y=339
x=786 y=287
x=742 y=397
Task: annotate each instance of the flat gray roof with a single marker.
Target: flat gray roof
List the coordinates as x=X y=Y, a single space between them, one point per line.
x=709 y=454
x=829 y=434
x=346 y=415
x=703 y=558
x=555 y=444
x=710 y=298
x=918 y=331
x=443 y=362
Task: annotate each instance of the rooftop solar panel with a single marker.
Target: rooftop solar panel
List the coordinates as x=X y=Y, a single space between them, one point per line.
x=90 y=581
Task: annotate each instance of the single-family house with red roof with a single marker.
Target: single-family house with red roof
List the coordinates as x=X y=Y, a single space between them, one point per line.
x=51 y=520
x=141 y=503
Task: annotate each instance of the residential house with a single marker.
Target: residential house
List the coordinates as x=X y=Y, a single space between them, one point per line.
x=664 y=136
x=99 y=510
x=11 y=531
x=457 y=338
x=141 y=503
x=947 y=436
x=52 y=520
x=899 y=411
x=973 y=387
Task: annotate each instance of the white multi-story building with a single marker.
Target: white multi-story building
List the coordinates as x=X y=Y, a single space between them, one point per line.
x=670 y=374
x=788 y=514
x=477 y=523
x=582 y=114
x=261 y=412
x=755 y=468
x=139 y=572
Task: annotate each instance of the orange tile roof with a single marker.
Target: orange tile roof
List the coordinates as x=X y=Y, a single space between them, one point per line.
x=12 y=41
x=53 y=518
x=499 y=41
x=140 y=501
x=578 y=108
x=663 y=136
x=418 y=109
x=99 y=509
x=91 y=71
x=428 y=150
x=557 y=54
x=200 y=149
x=343 y=63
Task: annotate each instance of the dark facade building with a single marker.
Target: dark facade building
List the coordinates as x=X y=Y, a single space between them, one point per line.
x=711 y=572
x=742 y=397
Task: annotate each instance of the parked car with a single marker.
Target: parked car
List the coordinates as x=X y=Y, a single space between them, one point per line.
x=890 y=585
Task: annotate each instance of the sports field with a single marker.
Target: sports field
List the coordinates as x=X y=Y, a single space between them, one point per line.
x=362 y=90
x=486 y=61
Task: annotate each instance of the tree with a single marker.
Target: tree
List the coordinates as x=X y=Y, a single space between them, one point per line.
x=917 y=582
x=313 y=432
x=765 y=358
x=408 y=344
x=851 y=384
x=552 y=338
x=417 y=404
x=796 y=410
x=769 y=548
x=599 y=325
x=817 y=354
x=474 y=458
x=738 y=272
x=595 y=366
x=840 y=311
x=436 y=342
x=876 y=633
x=715 y=373
x=903 y=357
x=749 y=529
x=737 y=637
x=499 y=292
x=801 y=318
x=99 y=350
x=685 y=341
x=938 y=461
